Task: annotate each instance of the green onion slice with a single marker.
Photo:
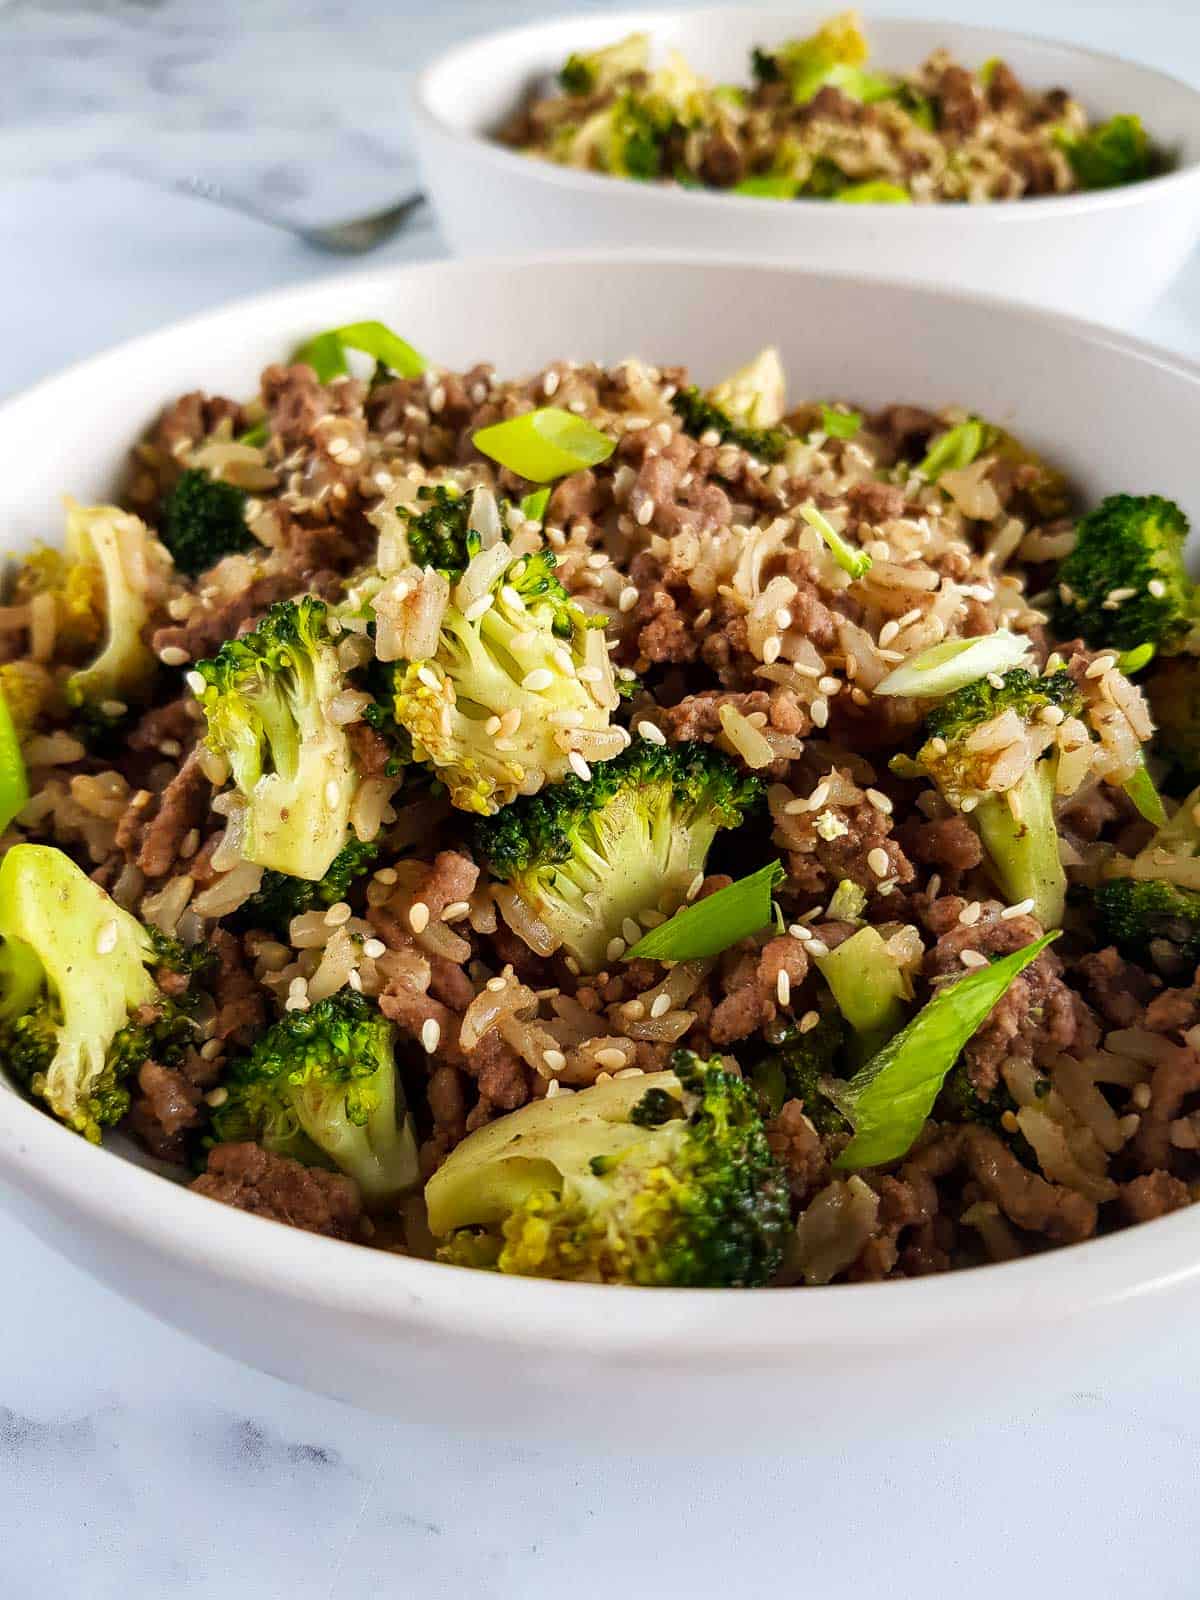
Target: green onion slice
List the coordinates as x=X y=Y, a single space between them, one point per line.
x=840 y=424
x=954 y=449
x=545 y=444
x=855 y=562
x=768 y=187
x=325 y=353
x=953 y=664
x=1140 y=789
x=1134 y=660
x=533 y=507
x=713 y=924
x=877 y=193
x=889 y=1099
x=14 y=781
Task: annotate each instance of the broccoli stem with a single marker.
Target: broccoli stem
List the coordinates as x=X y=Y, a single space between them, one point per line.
x=1023 y=855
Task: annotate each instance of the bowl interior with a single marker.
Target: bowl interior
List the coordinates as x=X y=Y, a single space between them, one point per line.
x=475 y=87
x=1113 y=414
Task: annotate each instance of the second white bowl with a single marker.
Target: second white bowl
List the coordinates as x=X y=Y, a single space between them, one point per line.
x=1107 y=254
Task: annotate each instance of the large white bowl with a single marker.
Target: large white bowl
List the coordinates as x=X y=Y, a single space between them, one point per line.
x=585 y=1362
x=1106 y=255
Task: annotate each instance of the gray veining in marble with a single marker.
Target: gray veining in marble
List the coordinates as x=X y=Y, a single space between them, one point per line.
x=136 y=1464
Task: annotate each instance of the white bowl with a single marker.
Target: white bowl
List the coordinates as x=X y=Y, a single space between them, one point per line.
x=580 y=1361
x=1106 y=255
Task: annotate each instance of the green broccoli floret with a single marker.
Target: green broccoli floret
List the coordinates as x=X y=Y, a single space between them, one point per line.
x=596 y=71
x=1017 y=827
x=1173 y=690
x=204 y=519
x=584 y=857
x=1124 y=584
x=321 y=1087
x=961 y=1101
x=1134 y=911
x=438 y=535
x=265 y=697
x=699 y=415
x=637 y=137
x=113 y=555
x=280 y=897
x=1112 y=153
x=798 y=1068
x=519 y=681
x=79 y=1008
x=834 y=54
x=659 y=1180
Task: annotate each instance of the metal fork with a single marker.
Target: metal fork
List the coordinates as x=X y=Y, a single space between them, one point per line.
x=351 y=238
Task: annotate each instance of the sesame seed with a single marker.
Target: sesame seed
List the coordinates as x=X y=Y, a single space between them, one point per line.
x=106 y=939
x=627 y=598
x=1009 y=1123
x=554 y=1060
x=353 y=979
x=972 y=958
x=428 y=677
x=479 y=608
x=297 y=999
x=590 y=675
x=1052 y=716
x=970 y=913
x=550 y=384
x=630 y=1072
x=614 y=950
x=211 y=1049
x=1140 y=1095
x=611 y=1058
x=456 y=910
x=194 y=681
x=938 y=745
x=795 y=808
x=563 y=659
x=630 y=931
x=333 y=794
x=829 y=685
x=783 y=987
x=819 y=711
x=1115 y=596
x=337 y=914
x=809 y=1021
x=418 y=916
x=660 y=1005
x=817 y=947
x=492 y=726
x=579 y=766
x=553 y=1088
x=888 y=632
x=799 y=931
x=113 y=708
x=644 y=513
x=511 y=598
x=880 y=801
x=386 y=875
x=1021 y=909
x=969 y=804
x=190 y=843
x=878 y=862
x=494 y=985
x=431 y=1035
x=783 y=619
x=537 y=680
x=216 y=1097
x=597 y=560
x=772 y=645
x=373 y=948
x=572 y=965
x=651 y=733
x=1100 y=666
x=934 y=887
x=694 y=887
x=634 y=1010
x=1157 y=588
x=996 y=681
x=172 y=656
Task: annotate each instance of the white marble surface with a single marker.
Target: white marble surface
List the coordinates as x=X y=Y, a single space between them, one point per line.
x=132 y=1462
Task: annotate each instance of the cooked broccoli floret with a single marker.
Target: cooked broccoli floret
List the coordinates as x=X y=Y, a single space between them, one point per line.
x=799 y=1066
x=265 y=697
x=518 y=680
x=1173 y=690
x=321 y=1087
x=279 y=897
x=1017 y=826
x=596 y=71
x=659 y=1180
x=961 y=1101
x=1133 y=912
x=1124 y=584
x=584 y=857
x=699 y=416
x=101 y=584
x=204 y=519
x=79 y=1008
x=436 y=530
x=830 y=55
x=1112 y=153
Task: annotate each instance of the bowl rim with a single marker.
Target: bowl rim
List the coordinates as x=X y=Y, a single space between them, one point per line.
x=422 y=100
x=58 y=1169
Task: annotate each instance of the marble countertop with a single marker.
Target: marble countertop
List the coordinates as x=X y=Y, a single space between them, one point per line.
x=135 y=1463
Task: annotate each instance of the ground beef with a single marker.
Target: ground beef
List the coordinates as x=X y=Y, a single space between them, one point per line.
x=1117 y=989
x=192 y=418
x=876 y=502
x=184 y=806
x=207 y=628
x=950 y=844
x=371 y=751
x=721 y=161
x=1026 y=1199
x=1174 y=1080
x=251 y=1179
x=165 y=1108
x=1037 y=1013
x=1154 y=1194
x=796 y=1144
x=752 y=989
x=240 y=1000
x=176 y=720
x=961 y=105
